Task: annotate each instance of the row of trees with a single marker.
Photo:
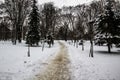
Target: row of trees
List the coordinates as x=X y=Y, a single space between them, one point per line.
x=20 y=14
x=74 y=22
x=17 y=11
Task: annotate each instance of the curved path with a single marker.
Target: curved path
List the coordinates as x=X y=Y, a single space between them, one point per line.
x=57 y=69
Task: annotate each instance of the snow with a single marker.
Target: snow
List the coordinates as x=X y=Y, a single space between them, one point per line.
x=15 y=65
x=103 y=66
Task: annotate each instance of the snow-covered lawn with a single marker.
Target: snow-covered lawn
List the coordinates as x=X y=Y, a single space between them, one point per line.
x=103 y=66
x=15 y=65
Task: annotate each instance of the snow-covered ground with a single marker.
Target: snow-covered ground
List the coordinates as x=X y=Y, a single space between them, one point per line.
x=103 y=66
x=15 y=65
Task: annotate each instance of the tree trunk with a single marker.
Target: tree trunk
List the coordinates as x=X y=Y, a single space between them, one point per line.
x=65 y=37
x=109 y=45
x=28 y=50
x=91 y=49
x=19 y=34
x=14 y=33
x=77 y=44
x=109 y=48
x=14 y=36
x=82 y=46
x=43 y=44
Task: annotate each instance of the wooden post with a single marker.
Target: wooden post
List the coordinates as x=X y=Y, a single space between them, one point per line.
x=28 y=50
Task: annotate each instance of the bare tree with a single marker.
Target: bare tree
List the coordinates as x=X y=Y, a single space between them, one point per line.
x=48 y=18
x=81 y=22
x=17 y=11
x=92 y=12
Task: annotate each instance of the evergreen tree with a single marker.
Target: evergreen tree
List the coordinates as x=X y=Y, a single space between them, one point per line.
x=108 y=23
x=33 y=36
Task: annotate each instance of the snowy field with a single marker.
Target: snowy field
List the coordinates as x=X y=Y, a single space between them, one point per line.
x=103 y=66
x=15 y=65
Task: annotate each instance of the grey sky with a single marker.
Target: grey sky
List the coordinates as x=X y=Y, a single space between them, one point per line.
x=1 y=0
x=61 y=3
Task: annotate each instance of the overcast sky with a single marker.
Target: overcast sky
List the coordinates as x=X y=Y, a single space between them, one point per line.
x=61 y=3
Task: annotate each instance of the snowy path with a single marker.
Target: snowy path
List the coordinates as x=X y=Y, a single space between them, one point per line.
x=62 y=60
x=58 y=68
x=81 y=67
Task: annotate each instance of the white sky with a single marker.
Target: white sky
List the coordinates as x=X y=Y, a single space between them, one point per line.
x=1 y=0
x=60 y=3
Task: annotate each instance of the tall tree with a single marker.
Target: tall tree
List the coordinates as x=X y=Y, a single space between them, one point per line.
x=108 y=23
x=81 y=22
x=92 y=12
x=48 y=13
x=33 y=35
x=17 y=11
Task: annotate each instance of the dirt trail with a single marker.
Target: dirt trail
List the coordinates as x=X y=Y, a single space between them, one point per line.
x=58 y=67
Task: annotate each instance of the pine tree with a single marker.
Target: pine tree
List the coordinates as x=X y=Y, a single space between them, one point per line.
x=107 y=23
x=33 y=36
